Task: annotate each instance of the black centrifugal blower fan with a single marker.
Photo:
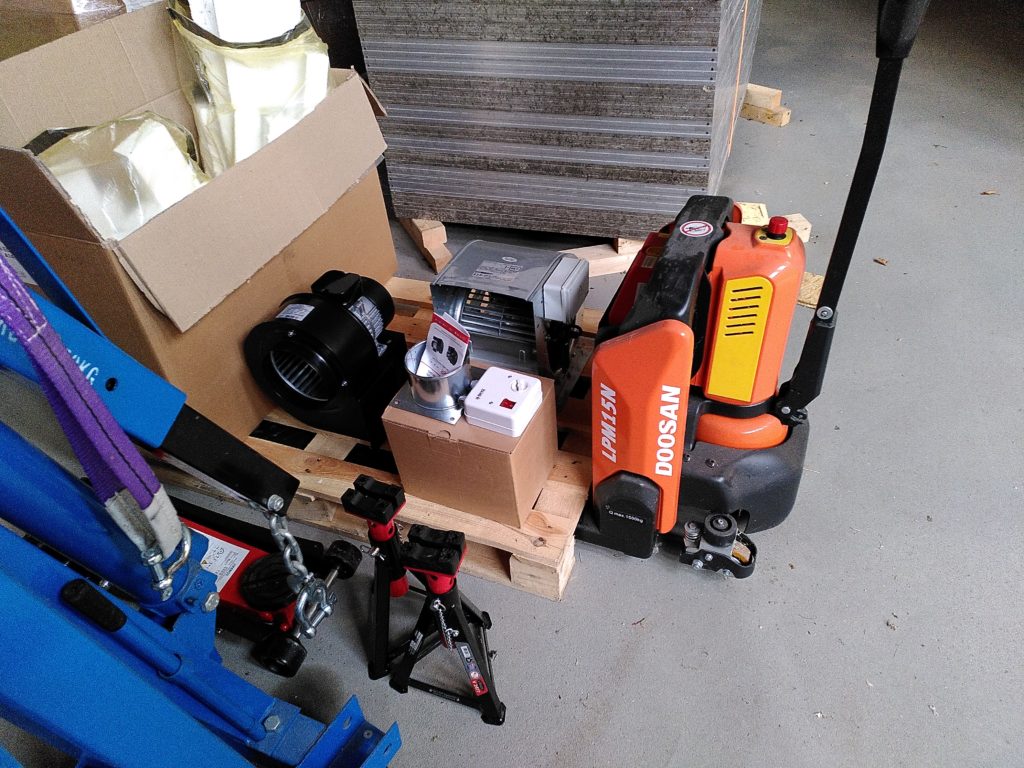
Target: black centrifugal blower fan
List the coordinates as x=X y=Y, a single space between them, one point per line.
x=327 y=359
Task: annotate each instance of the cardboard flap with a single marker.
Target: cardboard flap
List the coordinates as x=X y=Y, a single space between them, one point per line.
x=88 y=78
x=378 y=107
x=339 y=76
x=233 y=230
x=36 y=200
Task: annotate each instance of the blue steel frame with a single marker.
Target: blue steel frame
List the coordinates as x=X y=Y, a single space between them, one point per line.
x=144 y=404
x=155 y=688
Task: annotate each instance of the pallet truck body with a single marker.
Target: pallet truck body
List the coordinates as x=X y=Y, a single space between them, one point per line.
x=692 y=436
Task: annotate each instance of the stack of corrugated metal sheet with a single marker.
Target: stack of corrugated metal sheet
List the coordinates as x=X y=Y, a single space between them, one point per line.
x=595 y=117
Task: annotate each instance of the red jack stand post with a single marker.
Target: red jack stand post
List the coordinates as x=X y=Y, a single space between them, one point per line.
x=378 y=503
x=447 y=619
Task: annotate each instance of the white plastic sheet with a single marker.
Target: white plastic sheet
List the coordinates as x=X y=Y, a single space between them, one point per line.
x=123 y=173
x=247 y=91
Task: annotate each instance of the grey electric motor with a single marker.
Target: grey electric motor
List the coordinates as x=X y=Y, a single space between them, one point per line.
x=519 y=305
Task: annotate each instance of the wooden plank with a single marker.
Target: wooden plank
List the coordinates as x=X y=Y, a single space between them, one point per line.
x=753 y=213
x=409 y=291
x=626 y=246
x=588 y=320
x=810 y=290
x=430 y=238
x=426 y=233
x=800 y=225
x=603 y=259
x=541 y=578
x=778 y=116
x=762 y=96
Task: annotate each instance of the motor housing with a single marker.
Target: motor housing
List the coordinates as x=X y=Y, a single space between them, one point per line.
x=327 y=358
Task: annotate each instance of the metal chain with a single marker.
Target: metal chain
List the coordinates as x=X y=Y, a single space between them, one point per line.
x=448 y=634
x=314 y=602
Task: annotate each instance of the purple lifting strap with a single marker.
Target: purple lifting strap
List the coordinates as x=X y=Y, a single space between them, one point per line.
x=108 y=457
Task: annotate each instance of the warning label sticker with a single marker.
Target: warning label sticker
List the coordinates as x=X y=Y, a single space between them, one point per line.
x=651 y=256
x=366 y=312
x=497 y=271
x=295 y=312
x=222 y=559
x=696 y=228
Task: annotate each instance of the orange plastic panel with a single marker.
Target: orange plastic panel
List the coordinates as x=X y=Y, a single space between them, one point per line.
x=745 y=254
x=764 y=431
x=640 y=385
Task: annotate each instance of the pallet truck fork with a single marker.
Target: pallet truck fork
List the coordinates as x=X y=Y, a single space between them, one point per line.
x=700 y=444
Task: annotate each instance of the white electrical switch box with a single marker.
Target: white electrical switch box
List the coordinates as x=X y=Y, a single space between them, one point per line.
x=503 y=401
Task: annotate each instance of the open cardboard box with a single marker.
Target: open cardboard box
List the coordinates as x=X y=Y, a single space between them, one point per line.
x=181 y=293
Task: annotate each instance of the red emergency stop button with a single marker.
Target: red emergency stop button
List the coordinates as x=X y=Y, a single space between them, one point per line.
x=777 y=227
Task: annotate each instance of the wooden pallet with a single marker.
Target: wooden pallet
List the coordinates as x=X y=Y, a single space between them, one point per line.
x=537 y=558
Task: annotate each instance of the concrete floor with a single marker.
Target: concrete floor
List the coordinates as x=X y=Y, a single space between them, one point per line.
x=882 y=626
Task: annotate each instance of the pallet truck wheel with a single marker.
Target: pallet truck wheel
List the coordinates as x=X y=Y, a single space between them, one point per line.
x=280 y=653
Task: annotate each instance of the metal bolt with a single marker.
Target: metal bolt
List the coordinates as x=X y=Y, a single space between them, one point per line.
x=710 y=462
x=719 y=523
x=367 y=734
x=152 y=556
x=210 y=602
x=686 y=457
x=697 y=565
x=786 y=410
x=825 y=313
x=272 y=723
x=275 y=503
x=708 y=558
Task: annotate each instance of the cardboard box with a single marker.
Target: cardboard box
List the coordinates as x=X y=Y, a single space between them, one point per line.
x=66 y=7
x=25 y=25
x=182 y=292
x=473 y=469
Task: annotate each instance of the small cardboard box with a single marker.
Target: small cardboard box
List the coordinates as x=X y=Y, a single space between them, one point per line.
x=474 y=469
x=181 y=293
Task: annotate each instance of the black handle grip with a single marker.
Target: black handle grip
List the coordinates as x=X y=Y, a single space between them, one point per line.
x=898 y=23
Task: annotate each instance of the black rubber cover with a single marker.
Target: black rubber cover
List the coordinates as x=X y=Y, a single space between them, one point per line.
x=757 y=487
x=93 y=604
x=432 y=550
x=898 y=24
x=622 y=515
x=264 y=584
x=280 y=653
x=373 y=500
x=674 y=288
x=344 y=556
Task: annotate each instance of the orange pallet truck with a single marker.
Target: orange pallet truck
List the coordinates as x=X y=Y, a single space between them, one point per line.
x=693 y=438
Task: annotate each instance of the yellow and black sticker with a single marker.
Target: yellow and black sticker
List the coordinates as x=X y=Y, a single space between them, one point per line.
x=742 y=319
